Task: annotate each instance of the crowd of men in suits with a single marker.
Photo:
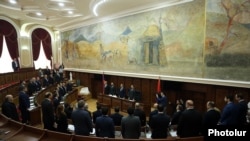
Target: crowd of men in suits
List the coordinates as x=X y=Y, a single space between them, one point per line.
x=121 y=92
x=187 y=121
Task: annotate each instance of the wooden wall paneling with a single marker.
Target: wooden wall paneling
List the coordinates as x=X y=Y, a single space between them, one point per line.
x=15 y=77
x=120 y=80
x=22 y=76
x=145 y=91
x=128 y=82
x=171 y=101
x=84 y=78
x=153 y=90
x=114 y=80
x=210 y=94
x=97 y=87
x=3 y=93
x=8 y=78
x=2 y=80
x=137 y=84
x=194 y=87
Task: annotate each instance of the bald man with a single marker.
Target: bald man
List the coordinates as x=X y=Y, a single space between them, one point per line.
x=9 y=108
x=154 y=112
x=190 y=123
x=140 y=113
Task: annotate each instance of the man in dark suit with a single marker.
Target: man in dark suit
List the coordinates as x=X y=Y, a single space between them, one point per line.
x=229 y=115
x=112 y=89
x=24 y=104
x=212 y=116
x=117 y=117
x=152 y=113
x=241 y=108
x=81 y=120
x=176 y=116
x=131 y=125
x=140 y=113
x=159 y=124
x=15 y=65
x=106 y=88
x=104 y=125
x=131 y=93
x=46 y=81
x=122 y=91
x=48 y=116
x=97 y=113
x=32 y=87
x=9 y=108
x=190 y=122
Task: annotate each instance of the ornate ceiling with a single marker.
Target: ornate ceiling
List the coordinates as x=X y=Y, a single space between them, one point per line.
x=64 y=14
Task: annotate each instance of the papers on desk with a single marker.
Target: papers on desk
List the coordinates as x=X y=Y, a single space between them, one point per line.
x=84 y=91
x=72 y=129
x=173 y=133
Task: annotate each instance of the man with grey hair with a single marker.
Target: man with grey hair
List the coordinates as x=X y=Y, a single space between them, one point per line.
x=81 y=120
x=9 y=108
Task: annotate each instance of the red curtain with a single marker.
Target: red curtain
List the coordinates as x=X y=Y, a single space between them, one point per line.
x=8 y=30
x=37 y=36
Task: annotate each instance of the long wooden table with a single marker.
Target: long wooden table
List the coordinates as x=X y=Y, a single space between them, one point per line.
x=120 y=102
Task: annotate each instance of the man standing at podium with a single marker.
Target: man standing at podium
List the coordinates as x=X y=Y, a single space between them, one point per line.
x=112 y=89
x=106 y=88
x=131 y=93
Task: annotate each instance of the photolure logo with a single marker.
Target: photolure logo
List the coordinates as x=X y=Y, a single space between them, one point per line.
x=228 y=133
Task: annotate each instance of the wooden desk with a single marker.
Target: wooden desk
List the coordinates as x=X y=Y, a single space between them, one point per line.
x=35 y=116
x=115 y=101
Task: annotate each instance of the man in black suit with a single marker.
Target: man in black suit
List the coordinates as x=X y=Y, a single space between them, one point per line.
x=48 y=116
x=104 y=125
x=242 y=108
x=117 y=117
x=9 y=108
x=190 y=122
x=15 y=65
x=140 y=113
x=106 y=88
x=122 y=91
x=97 y=113
x=131 y=125
x=46 y=81
x=212 y=116
x=152 y=113
x=24 y=104
x=176 y=116
x=32 y=87
x=81 y=120
x=131 y=93
x=112 y=89
x=159 y=124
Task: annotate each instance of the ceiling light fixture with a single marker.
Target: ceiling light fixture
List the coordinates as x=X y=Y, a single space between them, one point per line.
x=13 y=1
x=70 y=12
x=38 y=14
x=61 y=4
x=96 y=6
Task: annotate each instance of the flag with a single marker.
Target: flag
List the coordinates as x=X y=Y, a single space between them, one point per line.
x=103 y=82
x=159 y=86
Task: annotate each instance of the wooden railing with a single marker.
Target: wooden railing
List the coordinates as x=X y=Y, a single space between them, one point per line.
x=9 y=83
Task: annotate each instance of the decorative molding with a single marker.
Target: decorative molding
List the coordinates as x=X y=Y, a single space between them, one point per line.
x=82 y=21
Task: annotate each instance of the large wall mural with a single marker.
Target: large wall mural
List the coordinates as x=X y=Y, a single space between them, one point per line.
x=227 y=47
x=183 y=40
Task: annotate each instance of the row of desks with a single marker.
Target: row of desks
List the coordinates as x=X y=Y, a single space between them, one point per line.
x=113 y=102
